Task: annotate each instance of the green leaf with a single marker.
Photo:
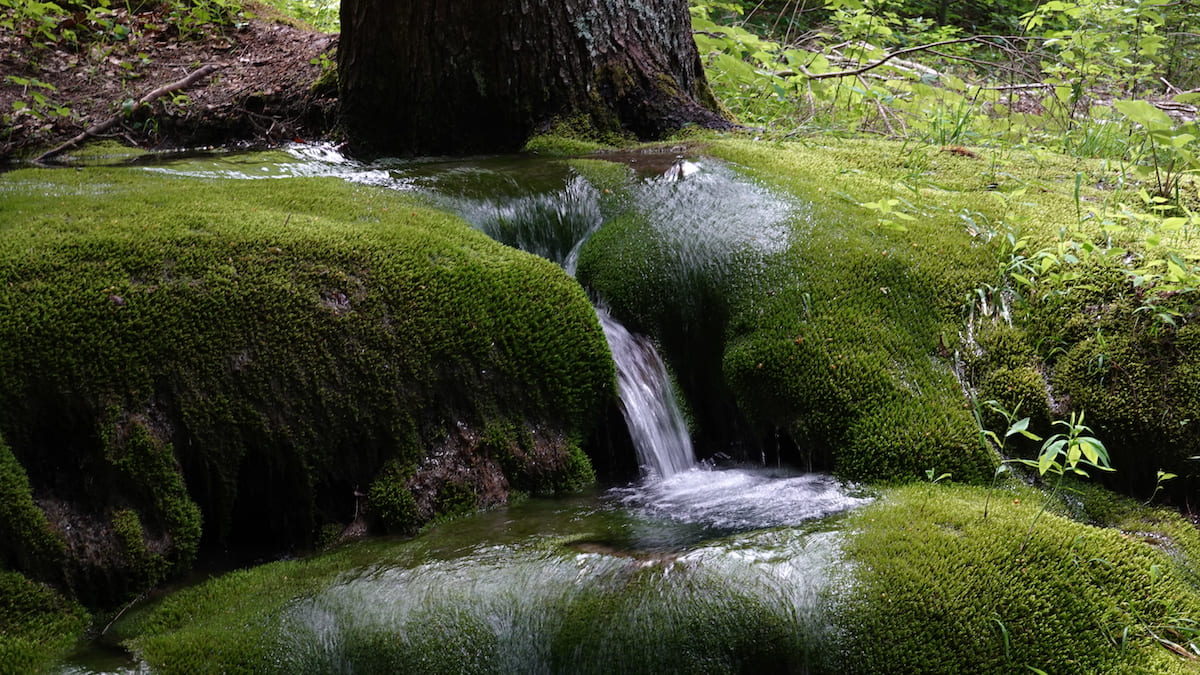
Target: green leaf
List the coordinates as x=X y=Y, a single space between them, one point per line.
x=1143 y=113
x=1018 y=427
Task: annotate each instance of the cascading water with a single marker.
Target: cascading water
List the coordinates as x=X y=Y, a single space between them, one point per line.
x=656 y=425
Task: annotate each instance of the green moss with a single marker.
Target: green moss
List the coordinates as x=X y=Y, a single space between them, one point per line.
x=391 y=504
x=932 y=585
x=326 y=83
x=37 y=624
x=838 y=339
x=563 y=145
x=652 y=624
x=228 y=620
x=455 y=499
x=175 y=344
x=27 y=542
x=576 y=475
x=151 y=467
x=1020 y=390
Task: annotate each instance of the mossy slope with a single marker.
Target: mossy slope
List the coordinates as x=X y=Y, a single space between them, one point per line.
x=229 y=361
x=37 y=624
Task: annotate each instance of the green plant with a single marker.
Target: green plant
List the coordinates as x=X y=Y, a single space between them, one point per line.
x=38 y=104
x=1169 y=150
x=1064 y=453
x=1161 y=478
x=990 y=439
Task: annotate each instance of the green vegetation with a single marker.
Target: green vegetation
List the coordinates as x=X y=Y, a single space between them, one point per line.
x=37 y=624
x=1012 y=73
x=211 y=359
x=949 y=591
x=224 y=624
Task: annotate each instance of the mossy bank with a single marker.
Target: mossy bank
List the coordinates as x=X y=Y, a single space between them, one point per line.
x=198 y=366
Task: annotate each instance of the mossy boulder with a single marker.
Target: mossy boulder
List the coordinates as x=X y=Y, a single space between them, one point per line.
x=918 y=581
x=916 y=286
x=231 y=364
x=1091 y=346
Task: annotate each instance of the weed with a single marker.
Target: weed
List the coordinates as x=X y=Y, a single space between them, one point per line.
x=1063 y=453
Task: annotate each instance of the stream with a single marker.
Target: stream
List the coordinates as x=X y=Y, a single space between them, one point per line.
x=692 y=568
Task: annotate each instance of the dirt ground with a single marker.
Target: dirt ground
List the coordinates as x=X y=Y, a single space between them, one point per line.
x=260 y=92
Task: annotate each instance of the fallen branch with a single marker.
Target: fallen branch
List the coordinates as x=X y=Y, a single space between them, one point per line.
x=888 y=57
x=200 y=73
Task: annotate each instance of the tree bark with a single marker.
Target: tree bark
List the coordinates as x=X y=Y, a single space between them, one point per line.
x=447 y=76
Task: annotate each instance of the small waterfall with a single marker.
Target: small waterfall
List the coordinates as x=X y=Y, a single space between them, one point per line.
x=659 y=434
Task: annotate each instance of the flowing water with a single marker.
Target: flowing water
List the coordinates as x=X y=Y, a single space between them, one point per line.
x=656 y=425
x=689 y=569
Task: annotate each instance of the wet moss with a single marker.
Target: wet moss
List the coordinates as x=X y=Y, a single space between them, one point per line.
x=699 y=625
x=563 y=144
x=37 y=624
x=933 y=585
x=227 y=624
x=28 y=544
x=391 y=504
x=838 y=340
x=231 y=359
x=1021 y=390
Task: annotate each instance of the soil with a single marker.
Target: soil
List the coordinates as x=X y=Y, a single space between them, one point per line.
x=267 y=87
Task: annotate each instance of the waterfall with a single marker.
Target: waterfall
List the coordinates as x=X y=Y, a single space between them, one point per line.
x=660 y=436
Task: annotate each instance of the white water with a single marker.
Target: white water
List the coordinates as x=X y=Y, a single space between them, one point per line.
x=656 y=425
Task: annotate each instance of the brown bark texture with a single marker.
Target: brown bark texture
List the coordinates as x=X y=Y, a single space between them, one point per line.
x=447 y=76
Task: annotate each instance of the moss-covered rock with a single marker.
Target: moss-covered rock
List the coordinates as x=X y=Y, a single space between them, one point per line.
x=27 y=540
x=226 y=362
x=932 y=586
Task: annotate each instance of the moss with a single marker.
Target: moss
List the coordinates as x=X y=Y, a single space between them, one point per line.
x=228 y=620
x=563 y=144
x=576 y=475
x=391 y=504
x=1021 y=391
x=177 y=343
x=27 y=542
x=37 y=624
x=326 y=83
x=701 y=625
x=151 y=466
x=455 y=499
x=931 y=584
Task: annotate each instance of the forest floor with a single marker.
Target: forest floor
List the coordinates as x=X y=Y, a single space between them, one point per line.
x=261 y=90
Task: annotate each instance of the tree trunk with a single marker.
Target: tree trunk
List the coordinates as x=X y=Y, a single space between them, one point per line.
x=448 y=76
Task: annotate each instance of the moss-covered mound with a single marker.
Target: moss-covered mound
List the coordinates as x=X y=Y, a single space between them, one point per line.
x=837 y=343
x=917 y=582
x=37 y=624
x=1096 y=348
x=933 y=586
x=235 y=364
